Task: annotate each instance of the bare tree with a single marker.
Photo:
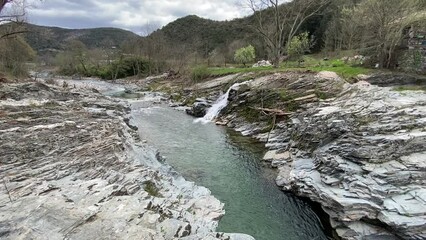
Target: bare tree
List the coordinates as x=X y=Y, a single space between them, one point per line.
x=380 y=26
x=278 y=22
x=3 y=3
x=12 y=17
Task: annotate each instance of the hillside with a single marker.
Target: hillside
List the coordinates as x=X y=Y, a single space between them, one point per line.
x=205 y=35
x=41 y=38
x=200 y=34
x=193 y=29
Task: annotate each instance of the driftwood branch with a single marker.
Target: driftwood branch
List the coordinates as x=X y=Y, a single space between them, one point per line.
x=276 y=112
x=274 y=120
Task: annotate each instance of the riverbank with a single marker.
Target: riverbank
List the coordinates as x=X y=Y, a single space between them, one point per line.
x=357 y=149
x=230 y=166
x=73 y=167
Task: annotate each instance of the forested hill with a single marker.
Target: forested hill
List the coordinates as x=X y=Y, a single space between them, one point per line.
x=192 y=32
x=205 y=35
x=41 y=38
x=208 y=33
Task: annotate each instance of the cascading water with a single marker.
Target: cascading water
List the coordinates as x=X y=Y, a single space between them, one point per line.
x=220 y=104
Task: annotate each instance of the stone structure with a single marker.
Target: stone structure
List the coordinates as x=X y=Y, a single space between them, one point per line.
x=416 y=41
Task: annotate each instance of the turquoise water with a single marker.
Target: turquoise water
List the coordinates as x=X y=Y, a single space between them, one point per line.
x=230 y=166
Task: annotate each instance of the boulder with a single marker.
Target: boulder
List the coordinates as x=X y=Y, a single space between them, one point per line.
x=262 y=63
x=199 y=108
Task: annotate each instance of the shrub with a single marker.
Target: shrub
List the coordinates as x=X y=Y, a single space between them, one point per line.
x=199 y=73
x=245 y=55
x=127 y=67
x=298 y=46
x=152 y=189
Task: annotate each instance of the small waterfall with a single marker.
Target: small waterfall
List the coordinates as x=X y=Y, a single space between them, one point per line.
x=220 y=104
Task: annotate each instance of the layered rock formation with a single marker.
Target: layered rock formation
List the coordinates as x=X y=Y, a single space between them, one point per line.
x=360 y=151
x=72 y=168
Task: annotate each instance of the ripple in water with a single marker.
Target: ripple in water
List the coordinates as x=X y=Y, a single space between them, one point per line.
x=230 y=167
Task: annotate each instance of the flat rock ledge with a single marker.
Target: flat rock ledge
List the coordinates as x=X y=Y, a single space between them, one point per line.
x=72 y=168
x=361 y=155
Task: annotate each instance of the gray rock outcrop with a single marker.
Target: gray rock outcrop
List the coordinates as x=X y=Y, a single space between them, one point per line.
x=361 y=155
x=395 y=79
x=72 y=168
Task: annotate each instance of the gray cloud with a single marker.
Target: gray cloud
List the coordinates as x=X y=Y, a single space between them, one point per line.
x=138 y=16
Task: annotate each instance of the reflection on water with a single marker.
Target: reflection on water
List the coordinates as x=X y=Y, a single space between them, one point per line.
x=229 y=165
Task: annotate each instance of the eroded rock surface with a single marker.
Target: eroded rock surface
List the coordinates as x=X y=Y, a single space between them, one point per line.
x=361 y=153
x=72 y=168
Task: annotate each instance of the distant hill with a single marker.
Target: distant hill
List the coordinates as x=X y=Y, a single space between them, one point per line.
x=193 y=28
x=201 y=35
x=207 y=35
x=42 y=38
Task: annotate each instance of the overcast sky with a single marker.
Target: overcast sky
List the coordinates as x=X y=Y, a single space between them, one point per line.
x=134 y=15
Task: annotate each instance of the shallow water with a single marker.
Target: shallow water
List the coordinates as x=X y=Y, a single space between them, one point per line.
x=229 y=165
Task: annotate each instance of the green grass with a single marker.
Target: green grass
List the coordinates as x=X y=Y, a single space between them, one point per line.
x=316 y=65
x=410 y=88
x=334 y=65
x=227 y=71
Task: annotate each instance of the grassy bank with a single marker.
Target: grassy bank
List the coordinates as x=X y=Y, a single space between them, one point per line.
x=343 y=69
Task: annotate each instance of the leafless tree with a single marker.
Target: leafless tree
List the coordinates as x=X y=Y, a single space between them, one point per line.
x=378 y=26
x=3 y=3
x=278 y=21
x=12 y=17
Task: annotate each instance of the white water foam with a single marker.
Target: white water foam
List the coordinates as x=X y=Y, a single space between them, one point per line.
x=220 y=104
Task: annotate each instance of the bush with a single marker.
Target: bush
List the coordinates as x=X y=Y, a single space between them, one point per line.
x=337 y=63
x=199 y=73
x=14 y=52
x=122 y=68
x=298 y=46
x=127 y=67
x=245 y=55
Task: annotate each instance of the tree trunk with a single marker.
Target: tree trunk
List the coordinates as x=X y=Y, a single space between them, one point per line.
x=276 y=60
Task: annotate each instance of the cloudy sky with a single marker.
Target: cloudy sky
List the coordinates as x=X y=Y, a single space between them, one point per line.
x=138 y=16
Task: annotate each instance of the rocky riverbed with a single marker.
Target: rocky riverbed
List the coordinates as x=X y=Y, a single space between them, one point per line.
x=73 y=168
x=357 y=149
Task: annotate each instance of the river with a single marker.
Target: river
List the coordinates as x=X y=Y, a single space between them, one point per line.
x=226 y=163
x=230 y=166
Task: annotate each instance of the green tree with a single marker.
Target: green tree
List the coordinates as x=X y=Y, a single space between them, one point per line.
x=245 y=55
x=298 y=46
